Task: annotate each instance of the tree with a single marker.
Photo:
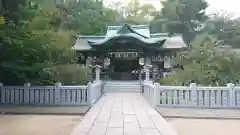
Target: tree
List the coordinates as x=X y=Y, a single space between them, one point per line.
x=133 y=12
x=182 y=16
x=205 y=64
x=224 y=28
x=30 y=47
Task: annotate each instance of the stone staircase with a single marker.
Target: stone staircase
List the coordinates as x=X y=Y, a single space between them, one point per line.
x=122 y=86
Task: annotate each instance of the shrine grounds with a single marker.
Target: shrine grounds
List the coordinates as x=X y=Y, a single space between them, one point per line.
x=37 y=124
x=63 y=124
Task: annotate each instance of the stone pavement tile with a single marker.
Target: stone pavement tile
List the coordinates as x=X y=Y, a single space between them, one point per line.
x=150 y=132
x=103 y=118
x=117 y=114
x=148 y=109
x=127 y=106
x=115 y=131
x=127 y=109
x=117 y=109
x=98 y=129
x=162 y=126
x=116 y=122
x=143 y=118
x=105 y=112
x=130 y=119
x=87 y=122
x=147 y=125
x=124 y=114
x=132 y=129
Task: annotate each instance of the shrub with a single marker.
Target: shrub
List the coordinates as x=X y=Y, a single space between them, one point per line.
x=169 y=80
x=72 y=74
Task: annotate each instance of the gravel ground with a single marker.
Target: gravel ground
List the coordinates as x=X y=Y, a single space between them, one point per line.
x=37 y=124
x=205 y=126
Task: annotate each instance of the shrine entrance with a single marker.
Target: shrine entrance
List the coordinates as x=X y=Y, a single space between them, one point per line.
x=124 y=51
x=125 y=69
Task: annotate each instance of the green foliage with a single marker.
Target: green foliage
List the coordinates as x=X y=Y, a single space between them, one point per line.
x=31 y=47
x=132 y=13
x=36 y=38
x=225 y=29
x=181 y=16
x=71 y=74
x=172 y=79
x=205 y=64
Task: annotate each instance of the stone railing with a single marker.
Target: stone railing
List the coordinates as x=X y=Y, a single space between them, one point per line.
x=50 y=95
x=94 y=91
x=192 y=96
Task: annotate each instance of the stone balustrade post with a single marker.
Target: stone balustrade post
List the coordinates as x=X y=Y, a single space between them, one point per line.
x=231 y=94
x=156 y=94
x=57 y=92
x=26 y=92
x=90 y=93
x=193 y=87
x=1 y=93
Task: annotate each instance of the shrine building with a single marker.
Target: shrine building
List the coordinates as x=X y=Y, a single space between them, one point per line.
x=125 y=50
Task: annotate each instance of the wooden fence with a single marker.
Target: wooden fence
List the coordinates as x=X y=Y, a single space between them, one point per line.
x=192 y=96
x=50 y=95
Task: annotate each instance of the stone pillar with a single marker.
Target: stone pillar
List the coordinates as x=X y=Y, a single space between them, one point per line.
x=232 y=97
x=147 y=72
x=58 y=92
x=97 y=72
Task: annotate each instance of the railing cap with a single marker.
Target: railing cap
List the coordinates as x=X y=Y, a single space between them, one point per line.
x=193 y=85
x=27 y=84
x=58 y=84
x=230 y=85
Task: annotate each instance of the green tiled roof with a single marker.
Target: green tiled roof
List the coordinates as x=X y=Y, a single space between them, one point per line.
x=136 y=32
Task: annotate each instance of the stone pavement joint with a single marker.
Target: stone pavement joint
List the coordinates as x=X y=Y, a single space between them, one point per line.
x=123 y=114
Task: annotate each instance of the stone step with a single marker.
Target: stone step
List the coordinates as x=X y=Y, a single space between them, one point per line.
x=109 y=89
x=121 y=90
x=122 y=86
x=123 y=82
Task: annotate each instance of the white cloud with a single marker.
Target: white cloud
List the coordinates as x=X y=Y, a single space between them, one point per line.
x=230 y=6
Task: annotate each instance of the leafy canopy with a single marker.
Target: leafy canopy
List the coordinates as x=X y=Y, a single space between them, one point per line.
x=181 y=16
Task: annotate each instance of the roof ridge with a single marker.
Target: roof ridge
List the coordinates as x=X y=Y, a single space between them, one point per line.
x=132 y=26
x=130 y=30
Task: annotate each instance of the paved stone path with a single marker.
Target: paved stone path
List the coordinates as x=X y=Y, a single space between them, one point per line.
x=123 y=114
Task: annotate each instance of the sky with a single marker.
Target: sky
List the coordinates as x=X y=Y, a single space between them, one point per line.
x=229 y=6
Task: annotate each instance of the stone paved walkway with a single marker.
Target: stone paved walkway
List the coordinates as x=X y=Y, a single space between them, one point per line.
x=123 y=114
